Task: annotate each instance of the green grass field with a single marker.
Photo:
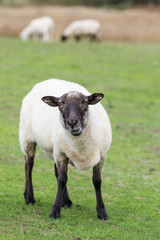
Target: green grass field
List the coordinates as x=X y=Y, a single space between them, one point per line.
x=129 y=76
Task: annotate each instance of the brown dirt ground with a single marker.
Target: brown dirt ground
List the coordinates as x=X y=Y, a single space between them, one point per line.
x=137 y=25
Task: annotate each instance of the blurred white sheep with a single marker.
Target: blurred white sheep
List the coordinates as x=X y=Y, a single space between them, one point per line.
x=39 y=28
x=87 y=28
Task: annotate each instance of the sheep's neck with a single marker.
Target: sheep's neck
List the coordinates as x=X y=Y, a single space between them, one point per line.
x=82 y=145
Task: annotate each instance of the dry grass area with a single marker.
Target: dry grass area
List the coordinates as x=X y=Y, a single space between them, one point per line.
x=138 y=25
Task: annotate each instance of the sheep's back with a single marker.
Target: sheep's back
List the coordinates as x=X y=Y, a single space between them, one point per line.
x=87 y=26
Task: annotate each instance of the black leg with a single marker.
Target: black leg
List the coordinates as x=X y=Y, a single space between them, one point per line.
x=92 y=37
x=77 y=38
x=66 y=202
x=62 y=180
x=101 y=212
x=29 y=162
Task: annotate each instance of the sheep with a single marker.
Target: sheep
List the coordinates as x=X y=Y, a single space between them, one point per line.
x=83 y=28
x=40 y=28
x=70 y=126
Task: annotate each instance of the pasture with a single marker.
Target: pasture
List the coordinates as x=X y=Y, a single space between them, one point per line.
x=136 y=25
x=128 y=74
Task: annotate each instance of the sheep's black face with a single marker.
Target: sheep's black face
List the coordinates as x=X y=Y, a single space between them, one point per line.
x=74 y=112
x=63 y=38
x=73 y=108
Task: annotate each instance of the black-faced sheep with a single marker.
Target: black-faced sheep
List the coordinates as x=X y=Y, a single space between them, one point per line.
x=70 y=126
x=88 y=28
x=40 y=28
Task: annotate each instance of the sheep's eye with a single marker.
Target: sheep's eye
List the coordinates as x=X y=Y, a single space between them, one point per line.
x=84 y=105
x=61 y=104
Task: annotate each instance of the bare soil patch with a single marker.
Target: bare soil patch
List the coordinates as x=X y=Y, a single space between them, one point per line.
x=137 y=25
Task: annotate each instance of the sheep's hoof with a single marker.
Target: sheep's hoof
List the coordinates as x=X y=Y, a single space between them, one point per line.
x=32 y=201
x=54 y=214
x=67 y=203
x=102 y=215
x=29 y=199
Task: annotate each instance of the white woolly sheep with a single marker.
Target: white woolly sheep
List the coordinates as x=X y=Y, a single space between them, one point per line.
x=81 y=29
x=74 y=129
x=40 y=28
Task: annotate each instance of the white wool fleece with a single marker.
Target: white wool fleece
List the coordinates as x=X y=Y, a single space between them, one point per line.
x=40 y=123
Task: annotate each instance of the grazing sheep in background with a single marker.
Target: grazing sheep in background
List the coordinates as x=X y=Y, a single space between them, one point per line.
x=74 y=129
x=40 y=28
x=82 y=29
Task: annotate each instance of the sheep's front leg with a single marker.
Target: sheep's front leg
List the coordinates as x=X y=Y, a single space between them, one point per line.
x=66 y=202
x=101 y=212
x=62 y=180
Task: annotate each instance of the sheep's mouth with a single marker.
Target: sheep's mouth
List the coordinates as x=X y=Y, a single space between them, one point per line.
x=76 y=132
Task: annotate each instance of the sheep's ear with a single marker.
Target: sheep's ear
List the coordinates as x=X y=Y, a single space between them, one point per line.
x=51 y=101
x=95 y=98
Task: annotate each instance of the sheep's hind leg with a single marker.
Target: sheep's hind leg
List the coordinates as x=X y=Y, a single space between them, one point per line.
x=101 y=212
x=77 y=38
x=29 y=162
x=66 y=202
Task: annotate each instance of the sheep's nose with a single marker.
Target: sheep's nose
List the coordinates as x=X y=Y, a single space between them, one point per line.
x=72 y=122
